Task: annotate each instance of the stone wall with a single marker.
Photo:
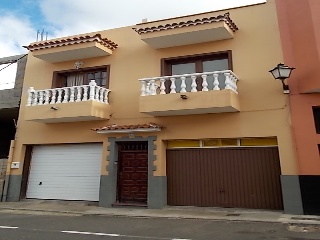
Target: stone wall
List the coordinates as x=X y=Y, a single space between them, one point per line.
x=3 y=168
x=10 y=98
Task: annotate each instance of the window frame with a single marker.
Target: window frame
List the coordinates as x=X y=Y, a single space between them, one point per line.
x=58 y=83
x=166 y=63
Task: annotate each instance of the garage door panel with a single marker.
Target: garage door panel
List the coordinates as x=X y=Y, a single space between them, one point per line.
x=68 y=172
x=237 y=177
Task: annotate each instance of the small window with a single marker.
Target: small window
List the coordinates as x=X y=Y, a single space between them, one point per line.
x=183 y=143
x=316 y=116
x=80 y=77
x=220 y=142
x=272 y=141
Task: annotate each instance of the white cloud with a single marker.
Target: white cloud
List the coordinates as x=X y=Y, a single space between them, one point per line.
x=15 y=32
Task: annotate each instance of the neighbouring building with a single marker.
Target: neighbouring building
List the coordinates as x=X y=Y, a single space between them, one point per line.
x=181 y=111
x=300 y=36
x=9 y=111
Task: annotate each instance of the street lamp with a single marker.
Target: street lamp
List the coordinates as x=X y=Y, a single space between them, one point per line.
x=282 y=72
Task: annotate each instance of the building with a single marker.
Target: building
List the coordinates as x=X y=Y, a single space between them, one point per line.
x=179 y=111
x=9 y=111
x=300 y=37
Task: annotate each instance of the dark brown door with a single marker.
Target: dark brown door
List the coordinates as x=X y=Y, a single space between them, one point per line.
x=225 y=177
x=133 y=173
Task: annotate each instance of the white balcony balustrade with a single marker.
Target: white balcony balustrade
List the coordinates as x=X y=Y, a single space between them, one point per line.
x=68 y=94
x=194 y=82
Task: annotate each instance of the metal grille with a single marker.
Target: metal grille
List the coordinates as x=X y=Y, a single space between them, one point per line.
x=129 y=146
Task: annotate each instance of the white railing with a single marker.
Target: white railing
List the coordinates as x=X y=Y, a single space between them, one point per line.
x=189 y=83
x=68 y=94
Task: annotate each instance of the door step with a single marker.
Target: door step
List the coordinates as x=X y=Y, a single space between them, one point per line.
x=129 y=205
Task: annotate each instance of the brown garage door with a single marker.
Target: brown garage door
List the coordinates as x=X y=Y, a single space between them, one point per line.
x=225 y=177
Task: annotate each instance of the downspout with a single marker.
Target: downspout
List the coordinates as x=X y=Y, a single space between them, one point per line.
x=10 y=160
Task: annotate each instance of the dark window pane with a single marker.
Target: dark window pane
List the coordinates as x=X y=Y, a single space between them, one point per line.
x=216 y=65
x=183 y=68
x=81 y=77
x=316 y=116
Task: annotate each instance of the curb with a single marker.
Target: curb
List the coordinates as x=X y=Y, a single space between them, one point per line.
x=283 y=220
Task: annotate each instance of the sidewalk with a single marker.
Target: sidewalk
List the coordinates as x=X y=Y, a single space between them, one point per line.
x=44 y=207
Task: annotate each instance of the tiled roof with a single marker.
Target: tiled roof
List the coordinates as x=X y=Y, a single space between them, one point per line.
x=225 y=17
x=128 y=127
x=72 y=41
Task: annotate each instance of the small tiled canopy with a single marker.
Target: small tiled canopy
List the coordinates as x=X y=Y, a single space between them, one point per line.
x=71 y=41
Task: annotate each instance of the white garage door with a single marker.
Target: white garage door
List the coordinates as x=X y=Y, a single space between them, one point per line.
x=66 y=172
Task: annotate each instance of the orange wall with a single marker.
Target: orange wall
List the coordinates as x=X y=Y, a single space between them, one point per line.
x=300 y=35
x=256 y=48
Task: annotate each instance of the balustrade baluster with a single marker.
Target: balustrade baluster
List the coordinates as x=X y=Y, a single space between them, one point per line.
x=216 y=81
x=85 y=93
x=194 y=84
x=35 y=98
x=162 y=86
x=183 y=84
x=204 y=83
x=97 y=91
x=235 y=84
x=65 y=95
x=153 y=90
x=92 y=86
x=173 y=85
x=59 y=95
x=41 y=93
x=232 y=82
x=30 y=96
x=79 y=94
x=143 y=88
x=106 y=96
x=53 y=96
x=102 y=92
x=148 y=88
x=72 y=94
x=46 y=95
x=227 y=81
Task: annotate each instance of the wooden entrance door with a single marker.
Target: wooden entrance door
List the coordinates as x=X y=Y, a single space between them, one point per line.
x=133 y=173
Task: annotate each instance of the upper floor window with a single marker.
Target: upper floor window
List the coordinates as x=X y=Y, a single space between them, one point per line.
x=208 y=62
x=78 y=77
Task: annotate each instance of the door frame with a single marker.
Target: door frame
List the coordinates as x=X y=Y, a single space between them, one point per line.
x=157 y=185
x=121 y=146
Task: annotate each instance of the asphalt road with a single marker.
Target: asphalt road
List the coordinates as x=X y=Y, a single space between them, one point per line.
x=39 y=227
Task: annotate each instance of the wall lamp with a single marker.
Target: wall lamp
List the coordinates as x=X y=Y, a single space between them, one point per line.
x=54 y=108
x=183 y=96
x=282 y=72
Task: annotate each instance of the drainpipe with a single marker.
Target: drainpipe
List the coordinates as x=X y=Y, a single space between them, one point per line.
x=10 y=160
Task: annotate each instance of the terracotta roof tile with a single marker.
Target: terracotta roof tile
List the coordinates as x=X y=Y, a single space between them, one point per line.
x=72 y=41
x=126 y=127
x=225 y=17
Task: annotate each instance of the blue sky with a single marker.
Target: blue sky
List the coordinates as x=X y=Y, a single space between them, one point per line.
x=21 y=19
x=29 y=8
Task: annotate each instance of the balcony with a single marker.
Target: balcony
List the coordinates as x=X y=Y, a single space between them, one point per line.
x=68 y=104
x=72 y=48
x=196 y=93
x=186 y=30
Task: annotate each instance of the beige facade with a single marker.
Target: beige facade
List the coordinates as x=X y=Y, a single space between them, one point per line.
x=259 y=109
